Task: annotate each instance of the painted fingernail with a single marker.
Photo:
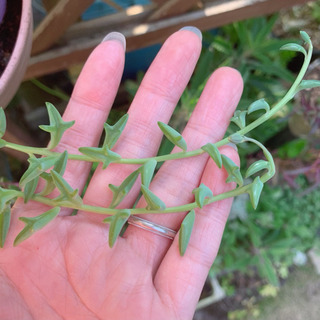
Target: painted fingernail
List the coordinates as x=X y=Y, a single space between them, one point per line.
x=117 y=36
x=232 y=145
x=194 y=30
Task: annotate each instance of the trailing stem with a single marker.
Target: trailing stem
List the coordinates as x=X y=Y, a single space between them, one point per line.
x=50 y=168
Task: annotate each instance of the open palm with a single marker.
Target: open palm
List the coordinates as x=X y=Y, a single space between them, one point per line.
x=67 y=270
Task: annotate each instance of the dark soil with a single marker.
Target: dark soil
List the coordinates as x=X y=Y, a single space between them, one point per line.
x=8 y=31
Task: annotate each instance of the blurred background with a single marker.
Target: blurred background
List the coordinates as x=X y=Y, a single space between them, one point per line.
x=268 y=265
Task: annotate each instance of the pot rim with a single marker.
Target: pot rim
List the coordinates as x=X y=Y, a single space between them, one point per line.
x=20 y=55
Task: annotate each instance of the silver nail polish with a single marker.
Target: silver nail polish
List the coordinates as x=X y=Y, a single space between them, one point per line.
x=194 y=30
x=117 y=36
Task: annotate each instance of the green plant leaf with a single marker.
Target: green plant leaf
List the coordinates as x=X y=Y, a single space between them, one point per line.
x=7 y=195
x=233 y=170
x=153 y=202
x=121 y=191
x=172 y=135
x=214 y=153
x=292 y=149
x=5 y=217
x=116 y=224
x=260 y=104
x=36 y=167
x=201 y=193
x=256 y=167
x=308 y=84
x=104 y=155
x=147 y=171
x=59 y=167
x=294 y=47
x=263 y=33
x=67 y=193
x=57 y=126
x=185 y=231
x=305 y=37
x=3 y=123
x=34 y=224
x=29 y=189
x=236 y=138
x=2 y=143
x=255 y=191
x=61 y=163
x=239 y=118
x=267 y=270
x=112 y=133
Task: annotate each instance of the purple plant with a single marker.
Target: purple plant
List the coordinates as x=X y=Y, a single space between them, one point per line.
x=305 y=123
x=3 y=4
x=311 y=172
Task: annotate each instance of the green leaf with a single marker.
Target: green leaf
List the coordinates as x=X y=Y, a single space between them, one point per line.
x=59 y=167
x=5 y=216
x=36 y=167
x=112 y=133
x=256 y=167
x=61 y=163
x=3 y=123
x=116 y=224
x=260 y=104
x=57 y=126
x=236 y=138
x=153 y=202
x=185 y=231
x=201 y=193
x=266 y=30
x=214 y=153
x=7 y=195
x=104 y=155
x=239 y=118
x=294 y=47
x=292 y=149
x=67 y=194
x=29 y=189
x=201 y=72
x=305 y=37
x=2 y=143
x=147 y=171
x=267 y=270
x=308 y=84
x=255 y=191
x=233 y=170
x=172 y=135
x=34 y=224
x=254 y=232
x=121 y=191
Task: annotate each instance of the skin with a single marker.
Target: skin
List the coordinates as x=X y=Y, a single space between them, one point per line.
x=67 y=270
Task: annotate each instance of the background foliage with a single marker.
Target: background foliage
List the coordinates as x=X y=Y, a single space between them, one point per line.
x=267 y=240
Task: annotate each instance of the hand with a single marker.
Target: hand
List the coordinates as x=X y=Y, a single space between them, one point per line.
x=67 y=270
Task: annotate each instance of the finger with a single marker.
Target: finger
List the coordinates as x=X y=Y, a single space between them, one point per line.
x=183 y=282
x=176 y=179
x=91 y=102
x=155 y=101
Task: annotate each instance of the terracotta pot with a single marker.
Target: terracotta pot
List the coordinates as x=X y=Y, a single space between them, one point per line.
x=16 y=67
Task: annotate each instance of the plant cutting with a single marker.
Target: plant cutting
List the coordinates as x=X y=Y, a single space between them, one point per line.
x=50 y=167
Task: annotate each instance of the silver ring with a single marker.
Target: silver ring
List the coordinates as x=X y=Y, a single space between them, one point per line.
x=152 y=227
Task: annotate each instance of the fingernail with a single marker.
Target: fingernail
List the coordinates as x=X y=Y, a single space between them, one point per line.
x=194 y=30
x=232 y=145
x=117 y=36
